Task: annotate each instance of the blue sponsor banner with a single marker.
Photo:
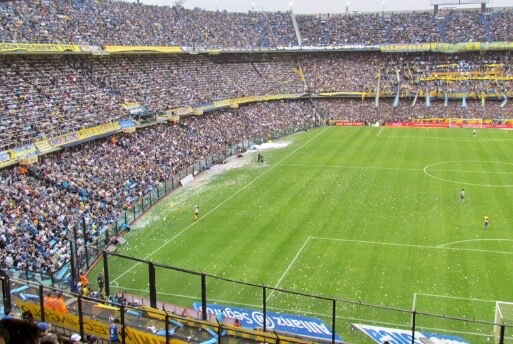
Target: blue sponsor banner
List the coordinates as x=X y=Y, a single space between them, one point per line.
x=203 y=105
x=63 y=139
x=396 y=336
x=126 y=123
x=280 y=322
x=4 y=157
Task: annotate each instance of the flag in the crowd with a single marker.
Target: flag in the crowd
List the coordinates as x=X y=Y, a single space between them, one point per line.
x=464 y=101
x=428 y=98
x=415 y=99
x=504 y=100
x=376 y=101
x=483 y=99
x=446 y=101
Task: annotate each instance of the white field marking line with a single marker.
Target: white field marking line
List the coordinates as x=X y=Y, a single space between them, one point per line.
x=450 y=138
x=380 y=130
x=220 y=204
x=470 y=171
x=456 y=297
x=356 y=167
x=412 y=245
x=385 y=244
x=468 y=240
x=426 y=168
x=288 y=267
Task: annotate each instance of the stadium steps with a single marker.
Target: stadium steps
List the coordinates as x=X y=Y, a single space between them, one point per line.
x=326 y=33
x=296 y=28
x=63 y=274
x=441 y=30
x=389 y=35
x=488 y=30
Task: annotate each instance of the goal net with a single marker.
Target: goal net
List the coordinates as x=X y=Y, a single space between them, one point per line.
x=465 y=122
x=503 y=316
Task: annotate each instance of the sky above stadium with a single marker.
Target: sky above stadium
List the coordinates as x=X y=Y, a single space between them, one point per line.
x=312 y=6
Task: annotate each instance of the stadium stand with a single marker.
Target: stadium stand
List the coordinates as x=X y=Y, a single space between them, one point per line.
x=122 y=23
x=44 y=96
x=40 y=206
x=48 y=96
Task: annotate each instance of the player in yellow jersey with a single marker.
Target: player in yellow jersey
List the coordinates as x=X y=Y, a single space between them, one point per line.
x=486 y=222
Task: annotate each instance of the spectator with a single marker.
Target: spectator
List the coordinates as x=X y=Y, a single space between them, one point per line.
x=20 y=331
x=75 y=339
x=51 y=338
x=43 y=329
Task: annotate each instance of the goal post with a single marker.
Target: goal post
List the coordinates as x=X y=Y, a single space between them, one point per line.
x=503 y=319
x=465 y=122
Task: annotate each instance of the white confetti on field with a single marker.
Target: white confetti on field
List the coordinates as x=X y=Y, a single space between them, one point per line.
x=201 y=180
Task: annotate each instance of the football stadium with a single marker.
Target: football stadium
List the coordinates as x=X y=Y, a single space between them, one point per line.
x=177 y=175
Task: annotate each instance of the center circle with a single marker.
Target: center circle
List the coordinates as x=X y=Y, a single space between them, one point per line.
x=460 y=168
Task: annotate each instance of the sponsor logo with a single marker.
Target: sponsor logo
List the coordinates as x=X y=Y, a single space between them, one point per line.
x=396 y=336
x=285 y=323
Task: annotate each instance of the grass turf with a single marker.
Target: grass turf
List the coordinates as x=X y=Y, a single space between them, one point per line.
x=364 y=214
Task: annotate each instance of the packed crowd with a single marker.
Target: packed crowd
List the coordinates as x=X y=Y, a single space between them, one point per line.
x=368 y=29
x=124 y=23
x=366 y=111
x=44 y=97
x=94 y=182
x=471 y=73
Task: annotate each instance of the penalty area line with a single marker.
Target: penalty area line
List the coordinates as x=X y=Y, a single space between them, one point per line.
x=452 y=297
x=288 y=267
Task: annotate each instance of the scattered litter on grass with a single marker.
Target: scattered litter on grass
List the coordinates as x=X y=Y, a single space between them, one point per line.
x=201 y=180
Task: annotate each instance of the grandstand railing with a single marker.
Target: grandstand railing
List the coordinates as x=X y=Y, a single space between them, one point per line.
x=272 y=302
x=139 y=323
x=143 y=317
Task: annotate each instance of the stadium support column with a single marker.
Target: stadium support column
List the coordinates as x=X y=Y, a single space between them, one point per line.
x=204 y=297
x=6 y=292
x=435 y=10
x=80 y=315
x=84 y=234
x=122 y=319
x=153 y=289
x=74 y=255
x=41 y=302
x=264 y=307
x=73 y=259
x=483 y=7
x=106 y=276
x=413 y=325
x=296 y=28
x=333 y=320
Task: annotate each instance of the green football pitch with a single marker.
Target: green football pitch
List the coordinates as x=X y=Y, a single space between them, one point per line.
x=365 y=214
